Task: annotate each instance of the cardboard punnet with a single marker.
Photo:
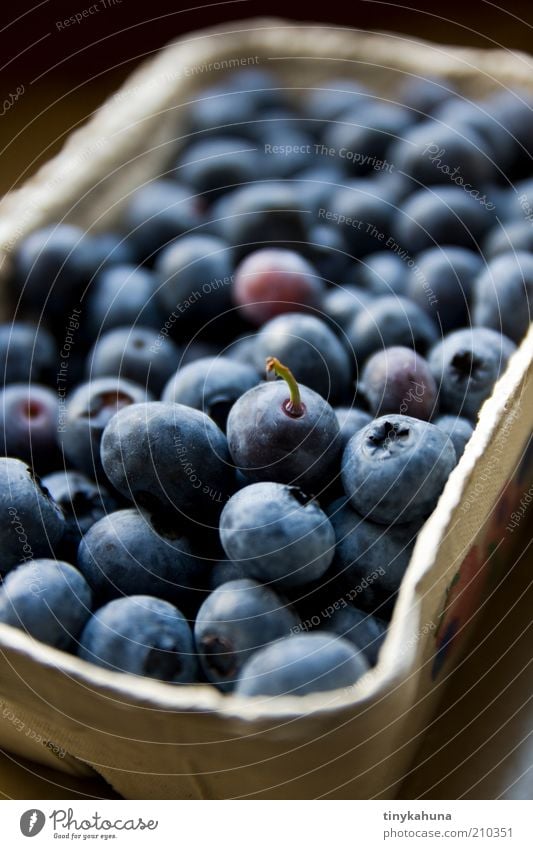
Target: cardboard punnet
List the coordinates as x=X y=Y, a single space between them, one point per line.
x=152 y=740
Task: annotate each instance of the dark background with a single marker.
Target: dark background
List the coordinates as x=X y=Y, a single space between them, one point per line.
x=67 y=72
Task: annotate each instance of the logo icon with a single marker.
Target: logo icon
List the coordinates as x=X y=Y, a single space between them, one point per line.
x=32 y=822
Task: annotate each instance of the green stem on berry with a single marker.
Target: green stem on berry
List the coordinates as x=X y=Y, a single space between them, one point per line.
x=293 y=406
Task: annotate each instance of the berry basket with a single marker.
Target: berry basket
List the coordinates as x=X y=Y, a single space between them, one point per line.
x=154 y=740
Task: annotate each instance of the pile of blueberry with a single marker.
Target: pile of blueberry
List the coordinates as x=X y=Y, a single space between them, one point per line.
x=225 y=422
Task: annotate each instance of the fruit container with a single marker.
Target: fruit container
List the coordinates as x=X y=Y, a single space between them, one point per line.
x=153 y=740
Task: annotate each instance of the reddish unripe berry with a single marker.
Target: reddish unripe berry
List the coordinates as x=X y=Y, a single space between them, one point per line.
x=273 y=281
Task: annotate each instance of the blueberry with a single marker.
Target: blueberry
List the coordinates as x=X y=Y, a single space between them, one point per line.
x=307 y=663
x=458 y=429
x=143 y=636
x=510 y=115
x=329 y=252
x=310 y=349
x=221 y=108
x=31 y=522
x=503 y=295
x=28 y=425
x=273 y=281
x=83 y=503
x=507 y=206
x=362 y=137
x=242 y=348
x=112 y=249
x=139 y=354
x=394 y=469
x=236 y=620
x=366 y=632
x=393 y=186
x=425 y=94
x=387 y=321
x=278 y=533
x=87 y=412
x=341 y=304
x=168 y=457
x=519 y=199
x=125 y=554
x=516 y=236
x=122 y=295
x=370 y=558
x=364 y=211
x=195 y=275
x=211 y=384
x=284 y=433
x=350 y=420
x=433 y=153
x=398 y=380
x=382 y=273
x=263 y=87
x=441 y=283
x=441 y=214
x=218 y=164
x=289 y=136
x=48 y=599
x=262 y=214
x=197 y=349
x=331 y=98
x=466 y=365
x=27 y=353
x=157 y=213
x=474 y=117
x=285 y=147
x=51 y=266
x=316 y=185
x=224 y=571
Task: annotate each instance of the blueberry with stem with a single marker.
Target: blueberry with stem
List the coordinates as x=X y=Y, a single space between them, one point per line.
x=283 y=432
x=293 y=405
